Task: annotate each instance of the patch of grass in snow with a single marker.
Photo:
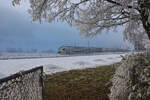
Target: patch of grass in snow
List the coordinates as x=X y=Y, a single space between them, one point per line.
x=86 y=84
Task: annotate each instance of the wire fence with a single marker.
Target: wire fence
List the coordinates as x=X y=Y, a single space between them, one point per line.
x=25 y=85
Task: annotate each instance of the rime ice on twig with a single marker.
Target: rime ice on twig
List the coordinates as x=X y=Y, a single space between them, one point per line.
x=93 y=16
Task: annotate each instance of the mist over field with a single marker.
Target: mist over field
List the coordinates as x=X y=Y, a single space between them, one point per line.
x=17 y=31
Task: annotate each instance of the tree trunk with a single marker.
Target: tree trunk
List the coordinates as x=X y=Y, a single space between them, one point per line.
x=145 y=5
x=146 y=24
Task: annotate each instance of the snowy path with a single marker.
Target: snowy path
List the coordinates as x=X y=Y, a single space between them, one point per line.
x=52 y=65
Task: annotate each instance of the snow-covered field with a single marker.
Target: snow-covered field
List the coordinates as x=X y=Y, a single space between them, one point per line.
x=52 y=65
x=6 y=56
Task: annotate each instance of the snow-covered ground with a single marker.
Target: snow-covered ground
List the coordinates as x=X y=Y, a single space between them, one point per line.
x=52 y=65
x=6 y=56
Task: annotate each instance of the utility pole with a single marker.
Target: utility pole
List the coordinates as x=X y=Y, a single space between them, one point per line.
x=88 y=46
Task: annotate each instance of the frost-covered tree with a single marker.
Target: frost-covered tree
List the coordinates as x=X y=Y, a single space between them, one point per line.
x=138 y=39
x=93 y=16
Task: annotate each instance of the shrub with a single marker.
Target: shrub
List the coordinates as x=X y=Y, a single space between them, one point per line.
x=132 y=78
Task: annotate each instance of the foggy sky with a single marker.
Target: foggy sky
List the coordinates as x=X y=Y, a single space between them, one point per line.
x=17 y=31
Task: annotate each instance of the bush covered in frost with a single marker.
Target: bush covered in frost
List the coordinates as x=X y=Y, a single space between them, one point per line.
x=132 y=78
